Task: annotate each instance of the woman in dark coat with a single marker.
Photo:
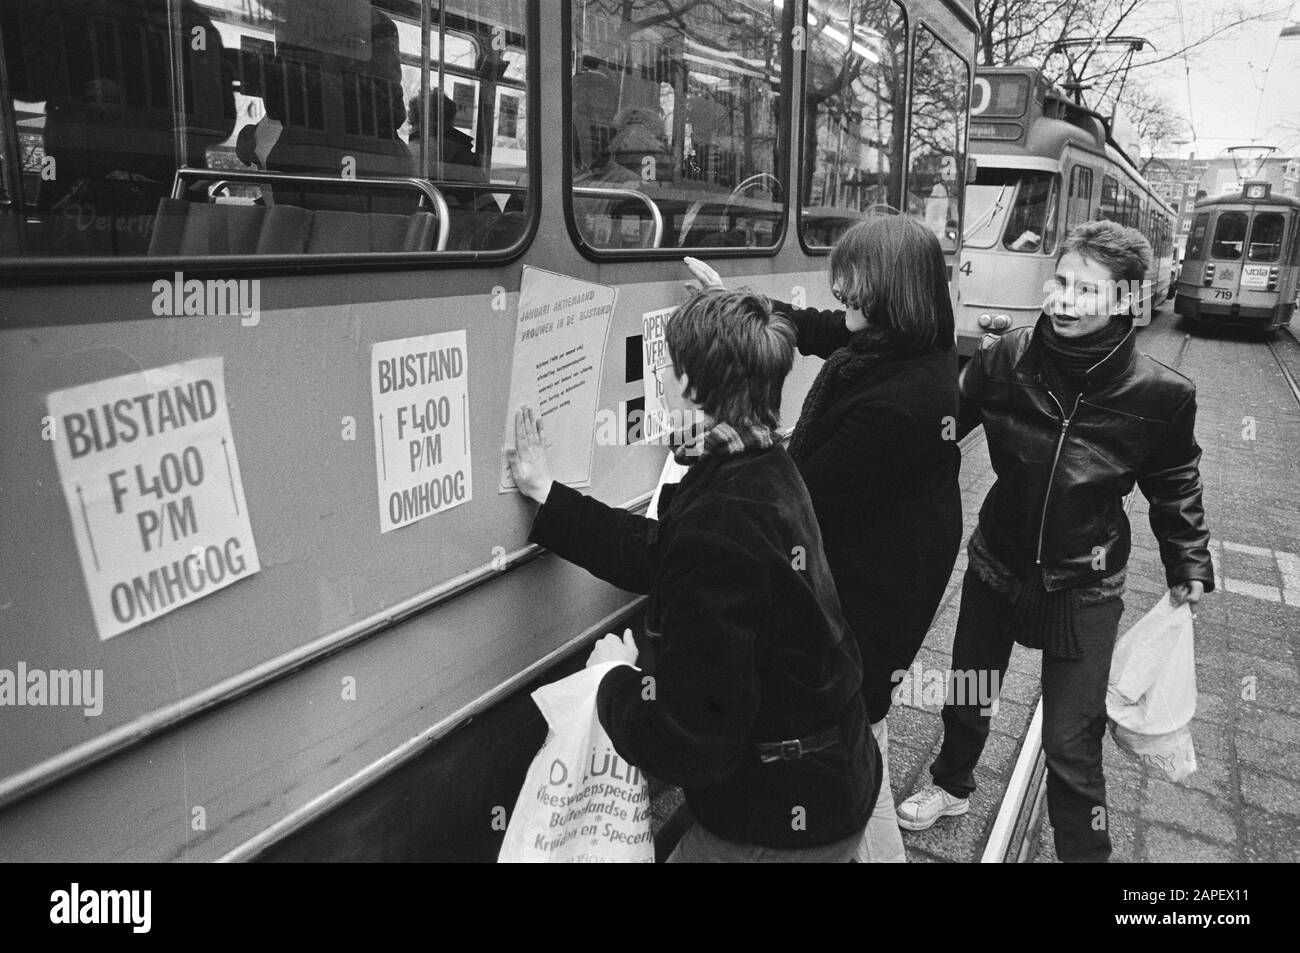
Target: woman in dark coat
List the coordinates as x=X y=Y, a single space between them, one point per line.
x=876 y=445
x=755 y=708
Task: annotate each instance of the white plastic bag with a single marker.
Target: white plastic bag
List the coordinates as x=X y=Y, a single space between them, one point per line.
x=1152 y=693
x=581 y=802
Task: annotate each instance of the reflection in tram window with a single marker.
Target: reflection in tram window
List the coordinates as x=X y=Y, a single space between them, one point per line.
x=1017 y=204
x=1031 y=226
x=675 y=124
x=940 y=105
x=1229 y=236
x=284 y=106
x=1266 y=236
x=95 y=108
x=855 y=116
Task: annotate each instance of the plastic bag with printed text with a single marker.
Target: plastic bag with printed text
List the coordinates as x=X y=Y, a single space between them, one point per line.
x=1152 y=693
x=581 y=802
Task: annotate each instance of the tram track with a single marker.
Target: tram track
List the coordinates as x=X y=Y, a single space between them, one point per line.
x=1275 y=346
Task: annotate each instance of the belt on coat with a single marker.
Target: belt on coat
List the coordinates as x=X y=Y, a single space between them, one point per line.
x=795 y=749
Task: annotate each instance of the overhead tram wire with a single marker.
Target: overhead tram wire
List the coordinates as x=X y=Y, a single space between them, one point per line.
x=1254 y=130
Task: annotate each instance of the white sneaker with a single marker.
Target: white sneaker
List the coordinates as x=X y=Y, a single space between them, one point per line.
x=920 y=811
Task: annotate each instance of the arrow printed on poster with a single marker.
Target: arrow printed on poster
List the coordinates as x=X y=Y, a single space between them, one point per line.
x=383 y=453
x=85 y=519
x=231 y=475
x=464 y=420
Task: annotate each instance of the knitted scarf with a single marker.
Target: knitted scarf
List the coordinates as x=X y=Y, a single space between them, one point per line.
x=838 y=372
x=1065 y=361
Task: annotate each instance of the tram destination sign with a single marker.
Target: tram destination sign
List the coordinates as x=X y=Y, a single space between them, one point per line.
x=150 y=474
x=420 y=400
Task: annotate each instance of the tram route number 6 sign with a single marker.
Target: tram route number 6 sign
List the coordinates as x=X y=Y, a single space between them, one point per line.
x=149 y=470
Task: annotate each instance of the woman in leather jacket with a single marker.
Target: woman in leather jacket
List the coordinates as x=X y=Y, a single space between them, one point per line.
x=1074 y=416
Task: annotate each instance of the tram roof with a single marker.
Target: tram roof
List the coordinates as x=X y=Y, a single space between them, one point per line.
x=1237 y=198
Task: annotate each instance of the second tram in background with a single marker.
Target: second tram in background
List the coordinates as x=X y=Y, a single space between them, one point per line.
x=1243 y=260
x=1044 y=164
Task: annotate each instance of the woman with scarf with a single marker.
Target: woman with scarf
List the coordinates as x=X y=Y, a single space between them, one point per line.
x=876 y=445
x=1075 y=416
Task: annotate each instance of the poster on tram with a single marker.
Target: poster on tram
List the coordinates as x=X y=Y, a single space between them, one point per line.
x=150 y=474
x=420 y=402
x=655 y=356
x=559 y=350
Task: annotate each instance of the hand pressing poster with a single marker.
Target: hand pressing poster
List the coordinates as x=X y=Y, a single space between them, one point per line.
x=559 y=351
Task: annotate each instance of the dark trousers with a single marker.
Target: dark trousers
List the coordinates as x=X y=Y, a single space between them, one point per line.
x=1074 y=714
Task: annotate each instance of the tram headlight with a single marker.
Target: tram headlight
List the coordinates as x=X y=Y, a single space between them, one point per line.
x=1209 y=273
x=1272 y=279
x=986 y=321
x=994 y=322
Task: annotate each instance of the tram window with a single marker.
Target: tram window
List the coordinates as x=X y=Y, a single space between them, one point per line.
x=1196 y=238
x=676 y=126
x=1080 y=198
x=1266 y=236
x=1031 y=226
x=283 y=106
x=1229 y=235
x=854 y=116
x=940 y=107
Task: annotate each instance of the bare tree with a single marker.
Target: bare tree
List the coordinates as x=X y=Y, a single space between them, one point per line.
x=1026 y=32
x=1157 y=120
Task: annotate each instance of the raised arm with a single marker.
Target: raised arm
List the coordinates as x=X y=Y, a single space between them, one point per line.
x=821 y=333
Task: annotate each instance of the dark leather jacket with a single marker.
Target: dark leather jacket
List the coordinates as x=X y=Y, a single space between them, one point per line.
x=1062 y=473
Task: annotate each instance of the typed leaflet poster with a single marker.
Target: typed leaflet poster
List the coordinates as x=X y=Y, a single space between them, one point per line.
x=149 y=470
x=420 y=400
x=654 y=350
x=559 y=350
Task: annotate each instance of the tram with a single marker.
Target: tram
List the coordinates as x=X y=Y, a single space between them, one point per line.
x=253 y=250
x=1242 y=265
x=1044 y=165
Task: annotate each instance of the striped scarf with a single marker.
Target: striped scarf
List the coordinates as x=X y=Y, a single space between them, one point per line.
x=724 y=440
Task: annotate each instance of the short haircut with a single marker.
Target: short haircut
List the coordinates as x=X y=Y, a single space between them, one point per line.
x=736 y=353
x=1123 y=251
x=892 y=268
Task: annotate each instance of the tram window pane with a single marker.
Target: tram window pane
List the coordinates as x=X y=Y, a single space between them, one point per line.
x=1266 y=236
x=1031 y=226
x=1110 y=199
x=936 y=164
x=1229 y=235
x=1196 y=239
x=676 y=112
x=299 y=104
x=91 y=88
x=1080 y=196
x=854 y=123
